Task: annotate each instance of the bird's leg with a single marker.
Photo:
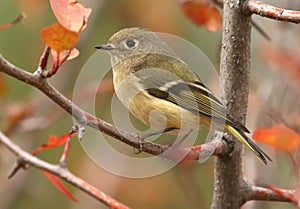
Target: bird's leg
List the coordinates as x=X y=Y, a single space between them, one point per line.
x=184 y=137
x=158 y=132
x=144 y=136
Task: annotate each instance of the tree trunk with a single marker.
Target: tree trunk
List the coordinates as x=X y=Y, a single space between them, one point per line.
x=234 y=75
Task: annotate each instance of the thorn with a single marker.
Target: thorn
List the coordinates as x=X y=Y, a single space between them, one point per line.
x=19 y=163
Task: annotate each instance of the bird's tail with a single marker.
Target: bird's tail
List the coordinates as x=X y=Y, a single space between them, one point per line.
x=241 y=136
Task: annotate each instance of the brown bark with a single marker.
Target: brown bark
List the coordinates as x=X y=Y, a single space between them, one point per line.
x=229 y=190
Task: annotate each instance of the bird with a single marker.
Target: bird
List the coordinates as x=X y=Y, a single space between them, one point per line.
x=161 y=90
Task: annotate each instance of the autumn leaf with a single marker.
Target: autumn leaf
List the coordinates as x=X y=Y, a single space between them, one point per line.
x=53 y=141
x=56 y=181
x=202 y=13
x=70 y=14
x=70 y=55
x=279 y=136
x=213 y=18
x=59 y=38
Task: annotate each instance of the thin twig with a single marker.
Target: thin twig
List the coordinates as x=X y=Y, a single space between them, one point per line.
x=260 y=30
x=62 y=172
x=18 y=19
x=44 y=58
x=276 y=13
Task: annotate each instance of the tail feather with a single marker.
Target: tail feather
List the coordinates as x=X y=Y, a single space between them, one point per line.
x=241 y=136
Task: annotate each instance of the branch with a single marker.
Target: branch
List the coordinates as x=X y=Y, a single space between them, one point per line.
x=84 y=118
x=234 y=83
x=266 y=10
x=204 y=151
x=262 y=193
x=80 y=115
x=260 y=30
x=62 y=172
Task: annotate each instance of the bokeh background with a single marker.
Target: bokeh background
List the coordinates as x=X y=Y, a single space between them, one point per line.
x=275 y=80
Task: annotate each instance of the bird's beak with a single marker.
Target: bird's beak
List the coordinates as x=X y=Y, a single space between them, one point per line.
x=105 y=47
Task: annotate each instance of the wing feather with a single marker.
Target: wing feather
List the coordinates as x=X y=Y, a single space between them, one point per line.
x=193 y=96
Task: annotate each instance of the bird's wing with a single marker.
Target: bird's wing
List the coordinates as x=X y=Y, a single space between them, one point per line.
x=193 y=96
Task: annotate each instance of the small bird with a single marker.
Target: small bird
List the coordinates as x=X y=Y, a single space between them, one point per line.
x=161 y=90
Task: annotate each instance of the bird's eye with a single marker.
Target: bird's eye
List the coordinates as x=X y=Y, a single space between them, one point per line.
x=131 y=43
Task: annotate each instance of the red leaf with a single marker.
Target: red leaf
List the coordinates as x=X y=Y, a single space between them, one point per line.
x=53 y=141
x=56 y=181
x=279 y=136
x=213 y=18
x=59 y=38
x=202 y=13
x=60 y=56
x=70 y=14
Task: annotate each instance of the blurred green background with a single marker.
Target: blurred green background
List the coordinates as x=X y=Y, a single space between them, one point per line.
x=185 y=186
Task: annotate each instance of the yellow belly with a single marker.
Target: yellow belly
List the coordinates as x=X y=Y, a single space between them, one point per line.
x=156 y=112
x=161 y=114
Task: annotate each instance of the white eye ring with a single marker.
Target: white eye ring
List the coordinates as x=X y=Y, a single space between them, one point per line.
x=130 y=43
